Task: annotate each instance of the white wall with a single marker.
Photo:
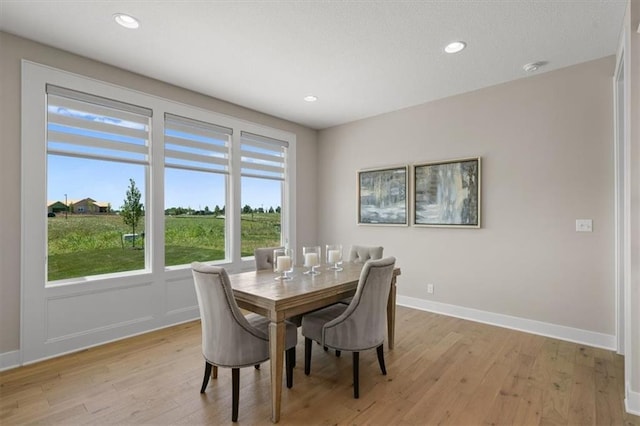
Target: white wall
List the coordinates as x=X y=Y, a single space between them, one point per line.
x=546 y=144
x=12 y=50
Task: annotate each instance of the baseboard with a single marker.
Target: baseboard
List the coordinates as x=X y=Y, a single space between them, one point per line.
x=570 y=334
x=9 y=360
x=632 y=402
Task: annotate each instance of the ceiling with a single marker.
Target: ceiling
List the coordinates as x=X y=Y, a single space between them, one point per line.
x=360 y=58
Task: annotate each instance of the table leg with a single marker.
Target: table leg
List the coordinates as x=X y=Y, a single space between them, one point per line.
x=276 y=353
x=391 y=313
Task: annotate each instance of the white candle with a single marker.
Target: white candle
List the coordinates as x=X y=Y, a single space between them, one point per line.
x=311 y=260
x=334 y=256
x=283 y=263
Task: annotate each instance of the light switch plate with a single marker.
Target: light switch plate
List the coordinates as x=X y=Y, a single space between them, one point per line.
x=584 y=225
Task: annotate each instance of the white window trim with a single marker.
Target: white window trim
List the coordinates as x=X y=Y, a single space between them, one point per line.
x=37 y=342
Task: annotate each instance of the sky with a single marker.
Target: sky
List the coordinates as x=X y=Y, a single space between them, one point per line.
x=107 y=181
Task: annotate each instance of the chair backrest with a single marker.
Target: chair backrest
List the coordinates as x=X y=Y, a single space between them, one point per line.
x=364 y=324
x=264 y=257
x=228 y=339
x=360 y=254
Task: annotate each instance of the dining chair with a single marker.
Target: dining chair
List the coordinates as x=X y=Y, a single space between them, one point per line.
x=360 y=254
x=264 y=257
x=230 y=339
x=356 y=327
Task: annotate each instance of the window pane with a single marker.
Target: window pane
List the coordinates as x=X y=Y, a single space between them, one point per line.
x=87 y=129
x=194 y=216
x=262 y=204
x=87 y=235
x=263 y=157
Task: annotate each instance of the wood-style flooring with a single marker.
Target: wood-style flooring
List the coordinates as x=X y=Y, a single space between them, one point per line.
x=443 y=370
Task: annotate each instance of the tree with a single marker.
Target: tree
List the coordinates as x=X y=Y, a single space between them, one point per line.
x=271 y=210
x=132 y=210
x=247 y=209
x=216 y=210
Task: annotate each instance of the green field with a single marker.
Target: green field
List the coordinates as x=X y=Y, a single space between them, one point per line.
x=84 y=245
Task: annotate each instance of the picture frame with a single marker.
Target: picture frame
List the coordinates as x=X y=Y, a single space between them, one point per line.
x=447 y=193
x=383 y=196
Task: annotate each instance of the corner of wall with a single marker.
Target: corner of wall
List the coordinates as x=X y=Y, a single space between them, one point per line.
x=632 y=402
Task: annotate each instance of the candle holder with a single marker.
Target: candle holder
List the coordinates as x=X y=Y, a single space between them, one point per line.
x=334 y=257
x=311 y=259
x=283 y=263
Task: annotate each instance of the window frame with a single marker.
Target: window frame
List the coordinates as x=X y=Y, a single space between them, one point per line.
x=67 y=315
x=116 y=152
x=34 y=174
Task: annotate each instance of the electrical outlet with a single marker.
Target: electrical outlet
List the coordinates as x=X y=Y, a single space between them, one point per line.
x=584 y=225
x=430 y=288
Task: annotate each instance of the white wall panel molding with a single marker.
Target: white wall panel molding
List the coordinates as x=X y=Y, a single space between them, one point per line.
x=9 y=360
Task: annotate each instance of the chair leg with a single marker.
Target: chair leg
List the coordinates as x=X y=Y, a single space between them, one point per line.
x=356 y=375
x=307 y=355
x=215 y=372
x=207 y=374
x=338 y=353
x=235 y=389
x=257 y=366
x=289 y=360
x=293 y=355
x=380 y=351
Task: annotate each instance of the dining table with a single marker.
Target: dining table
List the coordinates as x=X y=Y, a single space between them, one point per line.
x=263 y=293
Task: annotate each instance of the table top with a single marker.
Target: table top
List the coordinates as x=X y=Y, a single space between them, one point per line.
x=261 y=289
x=261 y=292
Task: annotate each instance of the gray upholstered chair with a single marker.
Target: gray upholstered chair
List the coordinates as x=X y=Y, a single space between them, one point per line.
x=360 y=254
x=229 y=339
x=264 y=258
x=355 y=327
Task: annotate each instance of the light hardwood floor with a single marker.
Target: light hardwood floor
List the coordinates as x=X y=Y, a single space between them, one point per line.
x=442 y=371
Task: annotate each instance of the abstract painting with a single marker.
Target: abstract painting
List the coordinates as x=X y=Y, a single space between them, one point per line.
x=382 y=196
x=447 y=193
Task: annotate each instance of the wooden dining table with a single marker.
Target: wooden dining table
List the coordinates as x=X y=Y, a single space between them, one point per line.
x=262 y=293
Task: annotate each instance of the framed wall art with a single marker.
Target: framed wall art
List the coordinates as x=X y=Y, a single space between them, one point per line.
x=382 y=196
x=447 y=193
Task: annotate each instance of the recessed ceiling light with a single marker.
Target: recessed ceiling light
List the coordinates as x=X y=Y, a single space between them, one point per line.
x=126 y=21
x=455 y=47
x=310 y=98
x=533 y=66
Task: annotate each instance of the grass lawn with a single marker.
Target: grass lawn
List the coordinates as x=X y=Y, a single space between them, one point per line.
x=84 y=245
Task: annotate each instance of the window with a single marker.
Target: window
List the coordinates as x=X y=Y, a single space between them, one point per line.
x=196 y=176
x=263 y=170
x=96 y=148
x=94 y=154
x=103 y=174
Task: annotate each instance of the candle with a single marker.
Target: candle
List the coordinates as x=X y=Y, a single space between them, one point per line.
x=283 y=263
x=334 y=256
x=311 y=260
